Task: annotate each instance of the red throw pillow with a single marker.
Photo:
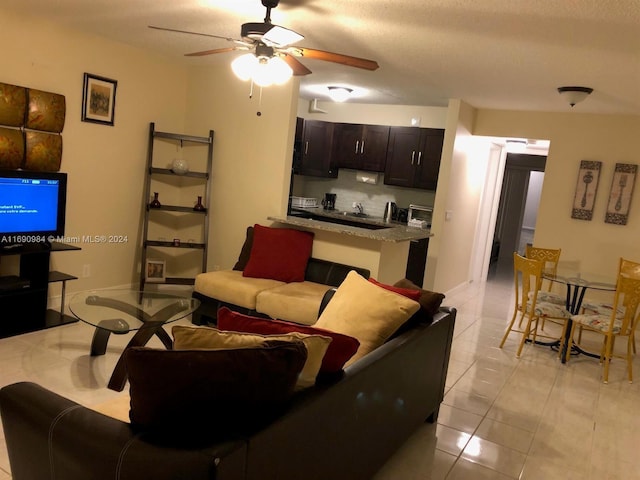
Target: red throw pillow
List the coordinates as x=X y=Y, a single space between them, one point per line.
x=341 y=348
x=279 y=254
x=407 y=292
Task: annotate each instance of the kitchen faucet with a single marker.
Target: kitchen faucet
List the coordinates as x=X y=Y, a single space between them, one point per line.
x=358 y=206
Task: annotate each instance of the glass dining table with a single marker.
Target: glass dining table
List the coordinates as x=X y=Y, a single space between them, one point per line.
x=577 y=283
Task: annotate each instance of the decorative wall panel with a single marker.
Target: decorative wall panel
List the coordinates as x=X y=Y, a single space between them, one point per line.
x=11 y=148
x=46 y=111
x=13 y=104
x=43 y=151
x=26 y=118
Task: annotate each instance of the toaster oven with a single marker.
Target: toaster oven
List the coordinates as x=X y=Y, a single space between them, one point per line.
x=419 y=216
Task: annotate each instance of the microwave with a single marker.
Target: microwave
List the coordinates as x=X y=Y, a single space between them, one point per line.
x=419 y=216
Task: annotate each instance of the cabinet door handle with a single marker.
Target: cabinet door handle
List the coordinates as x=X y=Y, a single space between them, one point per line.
x=357 y=143
x=413 y=156
x=306 y=147
x=362 y=146
x=419 y=157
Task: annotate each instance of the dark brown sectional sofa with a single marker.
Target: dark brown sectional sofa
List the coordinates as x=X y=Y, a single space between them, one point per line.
x=343 y=428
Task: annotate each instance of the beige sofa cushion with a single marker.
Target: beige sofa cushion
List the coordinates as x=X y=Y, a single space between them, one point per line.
x=189 y=338
x=231 y=287
x=297 y=302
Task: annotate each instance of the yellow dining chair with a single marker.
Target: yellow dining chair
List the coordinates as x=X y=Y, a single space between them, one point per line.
x=621 y=321
x=527 y=278
x=550 y=258
x=628 y=268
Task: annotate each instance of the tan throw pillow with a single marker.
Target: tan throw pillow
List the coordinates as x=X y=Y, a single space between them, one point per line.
x=367 y=312
x=207 y=338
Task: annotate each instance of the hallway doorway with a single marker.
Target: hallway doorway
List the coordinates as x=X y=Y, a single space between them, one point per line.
x=517 y=210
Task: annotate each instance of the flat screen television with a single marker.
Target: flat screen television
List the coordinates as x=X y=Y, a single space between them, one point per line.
x=32 y=207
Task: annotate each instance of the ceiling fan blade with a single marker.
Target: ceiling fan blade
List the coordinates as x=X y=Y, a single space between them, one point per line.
x=195 y=33
x=278 y=36
x=210 y=52
x=296 y=66
x=335 y=58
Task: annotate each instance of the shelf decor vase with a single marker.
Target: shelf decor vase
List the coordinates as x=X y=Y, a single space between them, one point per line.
x=199 y=207
x=179 y=166
x=155 y=203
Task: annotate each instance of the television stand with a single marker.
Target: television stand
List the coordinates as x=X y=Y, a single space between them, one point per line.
x=25 y=309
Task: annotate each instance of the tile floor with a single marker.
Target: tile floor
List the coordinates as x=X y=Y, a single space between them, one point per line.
x=502 y=418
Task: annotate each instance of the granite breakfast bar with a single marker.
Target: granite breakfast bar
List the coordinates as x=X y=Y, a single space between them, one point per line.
x=380 y=247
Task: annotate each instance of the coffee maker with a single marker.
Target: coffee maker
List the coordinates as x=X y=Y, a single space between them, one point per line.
x=329 y=202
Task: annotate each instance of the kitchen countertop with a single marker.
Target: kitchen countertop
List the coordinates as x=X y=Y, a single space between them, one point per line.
x=393 y=232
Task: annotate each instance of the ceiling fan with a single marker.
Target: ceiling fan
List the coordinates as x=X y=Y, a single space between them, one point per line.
x=268 y=41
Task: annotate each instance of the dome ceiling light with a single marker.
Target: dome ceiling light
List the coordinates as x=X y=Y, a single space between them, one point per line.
x=574 y=95
x=340 y=94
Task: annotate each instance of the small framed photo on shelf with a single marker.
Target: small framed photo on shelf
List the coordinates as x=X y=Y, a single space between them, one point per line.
x=624 y=179
x=155 y=271
x=586 y=189
x=98 y=99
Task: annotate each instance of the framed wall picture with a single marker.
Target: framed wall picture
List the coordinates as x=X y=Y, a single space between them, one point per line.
x=155 y=271
x=624 y=179
x=98 y=99
x=586 y=189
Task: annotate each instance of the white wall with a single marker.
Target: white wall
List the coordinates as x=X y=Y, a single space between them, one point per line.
x=458 y=199
x=395 y=115
x=252 y=154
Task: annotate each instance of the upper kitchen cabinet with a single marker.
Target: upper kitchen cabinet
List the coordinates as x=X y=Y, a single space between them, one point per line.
x=312 y=149
x=360 y=147
x=413 y=157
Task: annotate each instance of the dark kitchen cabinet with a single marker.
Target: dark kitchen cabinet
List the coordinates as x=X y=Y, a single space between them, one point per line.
x=413 y=157
x=360 y=147
x=312 y=153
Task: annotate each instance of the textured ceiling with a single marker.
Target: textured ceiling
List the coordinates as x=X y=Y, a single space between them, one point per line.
x=503 y=54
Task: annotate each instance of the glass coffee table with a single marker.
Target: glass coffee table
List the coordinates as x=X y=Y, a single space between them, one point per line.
x=123 y=311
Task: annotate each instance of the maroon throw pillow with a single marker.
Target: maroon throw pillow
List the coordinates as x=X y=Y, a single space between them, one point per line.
x=429 y=301
x=413 y=294
x=233 y=389
x=279 y=254
x=341 y=348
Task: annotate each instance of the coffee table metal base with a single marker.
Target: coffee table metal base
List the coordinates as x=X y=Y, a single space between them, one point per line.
x=152 y=326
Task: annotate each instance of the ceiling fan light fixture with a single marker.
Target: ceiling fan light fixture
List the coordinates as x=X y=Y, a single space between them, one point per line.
x=279 y=71
x=339 y=94
x=574 y=95
x=264 y=71
x=244 y=66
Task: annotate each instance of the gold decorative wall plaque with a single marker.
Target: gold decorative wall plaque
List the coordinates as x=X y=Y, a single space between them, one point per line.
x=11 y=148
x=13 y=104
x=43 y=151
x=46 y=111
